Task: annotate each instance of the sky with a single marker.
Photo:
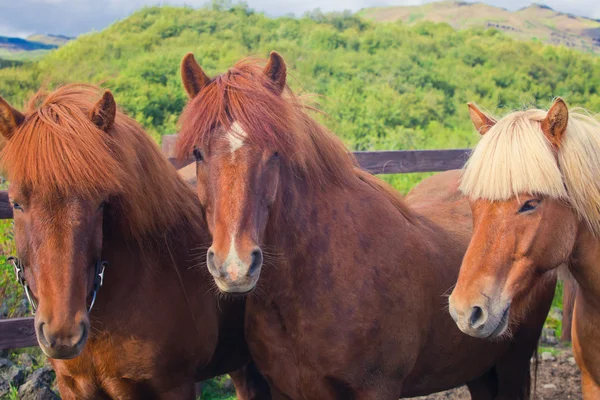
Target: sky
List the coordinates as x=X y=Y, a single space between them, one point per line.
x=73 y=17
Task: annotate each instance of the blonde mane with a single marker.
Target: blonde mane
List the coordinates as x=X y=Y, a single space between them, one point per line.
x=514 y=157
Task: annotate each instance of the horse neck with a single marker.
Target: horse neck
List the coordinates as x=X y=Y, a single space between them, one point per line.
x=137 y=263
x=292 y=230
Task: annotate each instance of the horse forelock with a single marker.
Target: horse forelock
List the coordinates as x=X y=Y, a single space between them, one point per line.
x=58 y=152
x=243 y=100
x=514 y=157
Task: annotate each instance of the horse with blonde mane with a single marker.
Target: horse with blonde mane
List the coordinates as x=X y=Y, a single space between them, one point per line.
x=346 y=282
x=108 y=239
x=533 y=185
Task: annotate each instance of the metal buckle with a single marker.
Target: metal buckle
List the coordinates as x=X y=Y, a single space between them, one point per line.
x=30 y=298
x=17 y=267
x=20 y=276
x=98 y=281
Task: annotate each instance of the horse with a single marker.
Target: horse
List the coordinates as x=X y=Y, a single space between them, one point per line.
x=109 y=242
x=532 y=182
x=345 y=281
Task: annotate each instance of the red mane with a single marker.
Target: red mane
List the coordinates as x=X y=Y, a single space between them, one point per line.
x=59 y=152
x=244 y=94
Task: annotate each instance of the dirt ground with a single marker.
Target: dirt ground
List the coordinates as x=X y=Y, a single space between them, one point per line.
x=557 y=379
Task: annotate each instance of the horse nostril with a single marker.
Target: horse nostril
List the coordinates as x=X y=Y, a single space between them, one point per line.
x=476 y=316
x=82 y=336
x=210 y=263
x=41 y=333
x=257 y=259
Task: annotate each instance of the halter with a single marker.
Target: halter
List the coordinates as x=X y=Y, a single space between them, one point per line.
x=98 y=281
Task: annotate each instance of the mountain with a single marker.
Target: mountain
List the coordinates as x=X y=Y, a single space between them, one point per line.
x=536 y=22
x=56 y=40
x=18 y=44
x=33 y=47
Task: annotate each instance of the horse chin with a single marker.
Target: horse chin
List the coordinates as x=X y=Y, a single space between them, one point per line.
x=502 y=326
x=235 y=290
x=63 y=352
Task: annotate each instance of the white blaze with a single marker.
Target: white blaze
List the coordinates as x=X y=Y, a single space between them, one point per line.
x=236 y=136
x=235 y=266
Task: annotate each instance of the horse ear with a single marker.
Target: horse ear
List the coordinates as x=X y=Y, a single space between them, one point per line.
x=555 y=123
x=482 y=122
x=276 y=70
x=10 y=119
x=193 y=77
x=104 y=112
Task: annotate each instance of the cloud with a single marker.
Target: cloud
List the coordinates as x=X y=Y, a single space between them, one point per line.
x=73 y=17
x=70 y=17
x=6 y=30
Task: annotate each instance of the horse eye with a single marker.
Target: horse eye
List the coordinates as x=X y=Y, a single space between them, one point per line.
x=529 y=205
x=198 y=154
x=101 y=206
x=17 y=206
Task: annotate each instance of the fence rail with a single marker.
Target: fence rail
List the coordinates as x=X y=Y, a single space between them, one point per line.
x=377 y=162
x=19 y=332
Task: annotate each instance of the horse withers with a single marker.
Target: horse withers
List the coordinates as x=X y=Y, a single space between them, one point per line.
x=110 y=249
x=346 y=282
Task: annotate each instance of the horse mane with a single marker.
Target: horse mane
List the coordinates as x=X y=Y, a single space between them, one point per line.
x=245 y=95
x=514 y=157
x=58 y=152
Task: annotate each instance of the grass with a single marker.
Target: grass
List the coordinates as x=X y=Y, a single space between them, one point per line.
x=13 y=394
x=415 y=17
x=552 y=350
x=11 y=294
x=217 y=389
x=557 y=302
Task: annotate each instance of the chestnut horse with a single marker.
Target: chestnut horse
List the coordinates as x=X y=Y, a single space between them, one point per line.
x=535 y=194
x=90 y=188
x=350 y=302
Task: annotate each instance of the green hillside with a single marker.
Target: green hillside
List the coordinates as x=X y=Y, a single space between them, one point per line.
x=382 y=85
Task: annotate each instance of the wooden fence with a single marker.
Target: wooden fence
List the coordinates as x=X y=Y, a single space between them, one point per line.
x=19 y=332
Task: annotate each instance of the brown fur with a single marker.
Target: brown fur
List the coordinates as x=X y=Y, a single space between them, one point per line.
x=196 y=79
x=10 y=119
x=350 y=300
x=514 y=248
x=156 y=326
